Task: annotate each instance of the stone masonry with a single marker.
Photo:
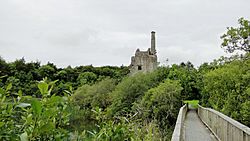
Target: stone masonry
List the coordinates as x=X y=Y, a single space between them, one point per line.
x=144 y=61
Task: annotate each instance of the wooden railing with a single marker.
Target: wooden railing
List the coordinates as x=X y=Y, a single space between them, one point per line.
x=222 y=126
x=178 y=133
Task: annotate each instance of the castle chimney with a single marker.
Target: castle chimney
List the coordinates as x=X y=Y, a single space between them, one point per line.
x=153 y=51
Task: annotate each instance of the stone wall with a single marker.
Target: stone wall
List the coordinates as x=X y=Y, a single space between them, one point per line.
x=143 y=62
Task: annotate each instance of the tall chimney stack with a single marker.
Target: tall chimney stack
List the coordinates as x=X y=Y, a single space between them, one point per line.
x=153 y=51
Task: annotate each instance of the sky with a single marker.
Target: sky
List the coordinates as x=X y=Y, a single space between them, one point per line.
x=107 y=32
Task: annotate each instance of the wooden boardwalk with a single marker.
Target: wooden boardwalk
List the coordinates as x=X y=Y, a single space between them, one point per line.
x=195 y=130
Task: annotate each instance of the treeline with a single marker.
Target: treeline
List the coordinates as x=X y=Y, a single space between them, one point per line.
x=24 y=76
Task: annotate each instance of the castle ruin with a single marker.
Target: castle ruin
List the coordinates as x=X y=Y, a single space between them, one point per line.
x=144 y=61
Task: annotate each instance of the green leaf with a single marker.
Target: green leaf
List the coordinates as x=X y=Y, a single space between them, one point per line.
x=71 y=88
x=49 y=92
x=9 y=87
x=29 y=119
x=23 y=105
x=47 y=127
x=24 y=136
x=2 y=92
x=66 y=92
x=43 y=87
x=3 y=76
x=55 y=99
x=1 y=124
x=20 y=93
x=53 y=82
x=36 y=106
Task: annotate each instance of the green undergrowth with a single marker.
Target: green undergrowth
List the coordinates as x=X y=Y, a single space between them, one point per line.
x=193 y=103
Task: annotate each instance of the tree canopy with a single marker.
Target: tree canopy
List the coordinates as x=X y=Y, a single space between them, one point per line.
x=237 y=38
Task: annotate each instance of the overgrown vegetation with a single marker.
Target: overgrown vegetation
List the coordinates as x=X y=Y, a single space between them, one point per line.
x=104 y=103
x=28 y=118
x=192 y=103
x=226 y=89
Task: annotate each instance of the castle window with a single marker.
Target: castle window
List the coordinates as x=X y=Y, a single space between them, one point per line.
x=139 y=67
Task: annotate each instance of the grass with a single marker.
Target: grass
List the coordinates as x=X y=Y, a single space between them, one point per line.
x=193 y=103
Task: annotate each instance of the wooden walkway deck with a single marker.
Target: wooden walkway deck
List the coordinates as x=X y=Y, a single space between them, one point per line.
x=195 y=130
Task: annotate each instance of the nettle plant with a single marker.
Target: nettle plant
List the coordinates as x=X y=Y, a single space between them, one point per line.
x=28 y=118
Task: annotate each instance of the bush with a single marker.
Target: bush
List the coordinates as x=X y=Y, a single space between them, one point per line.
x=26 y=118
x=226 y=89
x=132 y=89
x=86 y=98
x=162 y=104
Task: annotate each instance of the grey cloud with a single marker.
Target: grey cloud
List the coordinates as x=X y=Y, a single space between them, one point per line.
x=82 y=32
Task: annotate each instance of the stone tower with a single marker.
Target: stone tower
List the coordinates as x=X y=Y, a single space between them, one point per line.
x=153 y=42
x=144 y=61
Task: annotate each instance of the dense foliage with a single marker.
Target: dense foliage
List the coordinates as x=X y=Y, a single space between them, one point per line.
x=119 y=103
x=139 y=107
x=107 y=109
x=24 y=76
x=226 y=88
x=28 y=118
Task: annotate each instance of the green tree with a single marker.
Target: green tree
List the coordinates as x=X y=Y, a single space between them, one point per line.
x=226 y=89
x=162 y=103
x=97 y=95
x=237 y=38
x=47 y=71
x=89 y=97
x=87 y=78
x=188 y=77
x=132 y=89
x=4 y=67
